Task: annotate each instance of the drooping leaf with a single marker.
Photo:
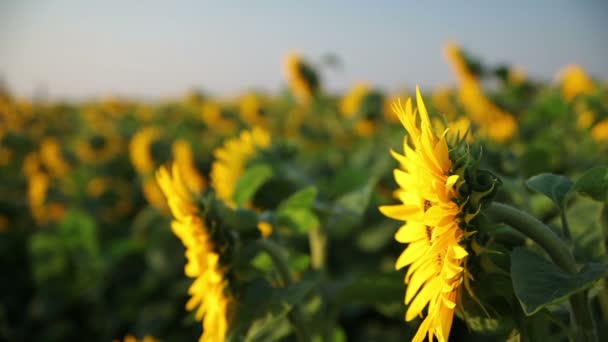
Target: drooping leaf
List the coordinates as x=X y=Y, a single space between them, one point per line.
x=555 y=187
x=538 y=282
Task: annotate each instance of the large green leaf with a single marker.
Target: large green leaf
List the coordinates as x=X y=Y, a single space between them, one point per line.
x=250 y=181
x=538 y=282
x=555 y=187
x=594 y=183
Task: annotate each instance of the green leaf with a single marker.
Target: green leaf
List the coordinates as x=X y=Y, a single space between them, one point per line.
x=259 y=301
x=348 y=210
x=585 y=218
x=298 y=220
x=538 y=282
x=250 y=181
x=594 y=183
x=304 y=198
x=555 y=187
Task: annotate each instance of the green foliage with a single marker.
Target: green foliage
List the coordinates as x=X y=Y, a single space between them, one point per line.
x=70 y=252
x=539 y=283
x=594 y=183
x=251 y=180
x=553 y=186
x=297 y=213
x=101 y=259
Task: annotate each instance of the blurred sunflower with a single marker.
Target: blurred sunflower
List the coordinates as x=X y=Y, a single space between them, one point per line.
x=443 y=100
x=517 y=75
x=349 y=105
x=52 y=157
x=252 y=110
x=575 y=81
x=184 y=158
x=599 y=132
x=585 y=117
x=209 y=291
x=42 y=212
x=491 y=120
x=99 y=148
x=131 y=338
x=432 y=223
x=214 y=117
x=301 y=77
x=231 y=160
x=140 y=149
x=153 y=194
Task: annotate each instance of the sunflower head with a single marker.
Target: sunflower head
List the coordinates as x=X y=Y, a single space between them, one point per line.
x=215 y=117
x=209 y=293
x=349 y=105
x=147 y=150
x=53 y=157
x=437 y=201
x=599 y=132
x=301 y=77
x=575 y=81
x=99 y=148
x=184 y=158
x=252 y=110
x=232 y=158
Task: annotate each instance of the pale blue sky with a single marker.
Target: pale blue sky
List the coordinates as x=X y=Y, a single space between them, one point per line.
x=158 y=49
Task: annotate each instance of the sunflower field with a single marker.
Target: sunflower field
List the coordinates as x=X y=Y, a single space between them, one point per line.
x=476 y=212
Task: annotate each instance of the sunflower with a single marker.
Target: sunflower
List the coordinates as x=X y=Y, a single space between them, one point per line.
x=99 y=148
x=184 y=158
x=600 y=131
x=214 y=117
x=231 y=160
x=575 y=81
x=252 y=110
x=432 y=214
x=492 y=121
x=349 y=106
x=209 y=291
x=52 y=157
x=131 y=338
x=140 y=149
x=302 y=78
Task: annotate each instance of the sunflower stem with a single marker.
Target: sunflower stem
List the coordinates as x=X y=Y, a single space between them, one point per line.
x=295 y=315
x=559 y=252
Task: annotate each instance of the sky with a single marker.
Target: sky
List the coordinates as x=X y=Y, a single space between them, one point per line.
x=152 y=49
